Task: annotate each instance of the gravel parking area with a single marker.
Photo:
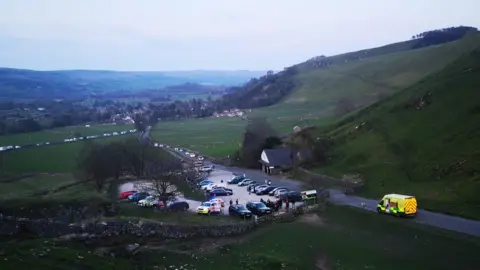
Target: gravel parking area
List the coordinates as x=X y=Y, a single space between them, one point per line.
x=239 y=193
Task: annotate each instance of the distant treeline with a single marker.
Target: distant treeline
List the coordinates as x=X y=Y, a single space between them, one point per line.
x=440 y=36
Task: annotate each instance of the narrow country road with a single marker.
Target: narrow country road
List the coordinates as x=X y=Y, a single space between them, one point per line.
x=453 y=223
x=145 y=136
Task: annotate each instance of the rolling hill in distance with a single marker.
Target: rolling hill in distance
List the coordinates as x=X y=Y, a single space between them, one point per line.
x=23 y=83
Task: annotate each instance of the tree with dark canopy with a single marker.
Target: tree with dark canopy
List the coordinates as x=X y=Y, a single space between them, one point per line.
x=258 y=135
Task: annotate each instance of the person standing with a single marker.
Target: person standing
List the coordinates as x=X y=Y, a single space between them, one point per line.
x=236 y=201
x=269 y=183
x=266 y=181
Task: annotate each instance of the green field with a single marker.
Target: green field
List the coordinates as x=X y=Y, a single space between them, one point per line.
x=59 y=158
x=341 y=238
x=30 y=185
x=210 y=136
x=59 y=134
x=429 y=151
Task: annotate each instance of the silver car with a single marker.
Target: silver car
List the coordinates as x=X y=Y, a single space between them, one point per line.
x=280 y=192
x=259 y=188
x=245 y=182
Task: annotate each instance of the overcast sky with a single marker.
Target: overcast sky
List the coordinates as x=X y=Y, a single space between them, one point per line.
x=209 y=34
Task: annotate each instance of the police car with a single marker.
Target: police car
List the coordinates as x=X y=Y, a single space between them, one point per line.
x=208 y=208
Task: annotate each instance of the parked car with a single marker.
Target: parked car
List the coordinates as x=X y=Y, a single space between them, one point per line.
x=252 y=186
x=207 y=168
x=258 y=188
x=280 y=192
x=208 y=208
x=219 y=201
x=272 y=192
x=158 y=204
x=245 y=182
x=292 y=196
x=239 y=210
x=266 y=190
x=219 y=192
x=147 y=202
x=200 y=158
x=205 y=182
x=258 y=208
x=125 y=194
x=236 y=179
x=178 y=206
x=228 y=191
x=211 y=186
x=138 y=196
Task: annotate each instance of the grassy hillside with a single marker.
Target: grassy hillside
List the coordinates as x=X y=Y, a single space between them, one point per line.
x=317 y=91
x=422 y=141
x=366 y=81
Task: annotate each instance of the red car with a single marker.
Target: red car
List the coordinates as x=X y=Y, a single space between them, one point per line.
x=125 y=194
x=159 y=204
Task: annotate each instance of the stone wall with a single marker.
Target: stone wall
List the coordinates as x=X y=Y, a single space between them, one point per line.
x=53 y=229
x=53 y=210
x=290 y=215
x=66 y=222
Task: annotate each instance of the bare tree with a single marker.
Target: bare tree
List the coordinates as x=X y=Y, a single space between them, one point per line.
x=93 y=165
x=99 y=163
x=164 y=175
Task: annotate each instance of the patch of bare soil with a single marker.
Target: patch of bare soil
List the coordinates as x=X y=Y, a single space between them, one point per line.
x=313 y=219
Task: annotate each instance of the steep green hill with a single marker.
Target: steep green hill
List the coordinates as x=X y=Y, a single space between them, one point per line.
x=322 y=88
x=423 y=141
x=366 y=81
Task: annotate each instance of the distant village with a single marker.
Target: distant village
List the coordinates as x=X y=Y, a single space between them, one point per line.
x=230 y=113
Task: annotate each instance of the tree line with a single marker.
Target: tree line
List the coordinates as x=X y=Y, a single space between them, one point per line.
x=101 y=164
x=440 y=36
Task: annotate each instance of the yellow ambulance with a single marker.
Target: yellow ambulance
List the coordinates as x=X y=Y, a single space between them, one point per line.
x=398 y=205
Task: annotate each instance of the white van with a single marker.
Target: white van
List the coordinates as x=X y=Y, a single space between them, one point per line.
x=309 y=194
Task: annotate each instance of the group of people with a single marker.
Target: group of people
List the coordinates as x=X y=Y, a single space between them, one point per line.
x=275 y=205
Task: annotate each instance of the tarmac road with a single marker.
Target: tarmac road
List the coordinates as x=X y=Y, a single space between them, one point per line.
x=453 y=223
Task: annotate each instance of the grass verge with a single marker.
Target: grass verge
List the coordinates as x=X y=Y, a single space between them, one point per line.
x=341 y=238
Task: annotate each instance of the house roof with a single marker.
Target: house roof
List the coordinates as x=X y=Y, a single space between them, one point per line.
x=279 y=156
